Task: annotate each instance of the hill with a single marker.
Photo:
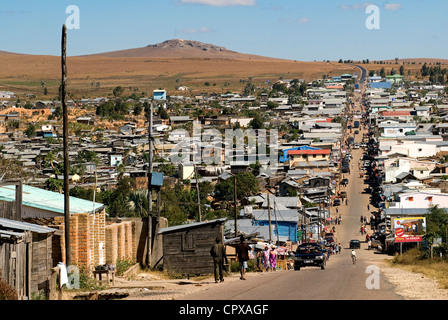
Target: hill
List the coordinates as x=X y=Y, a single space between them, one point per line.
x=178 y=48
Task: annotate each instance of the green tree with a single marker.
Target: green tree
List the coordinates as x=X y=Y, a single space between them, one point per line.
x=246 y=185
x=31 y=130
x=257 y=122
x=54 y=184
x=118 y=91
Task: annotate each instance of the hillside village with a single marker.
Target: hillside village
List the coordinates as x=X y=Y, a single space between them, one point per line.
x=405 y=157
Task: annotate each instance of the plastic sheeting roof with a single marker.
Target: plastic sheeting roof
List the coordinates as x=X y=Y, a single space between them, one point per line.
x=48 y=200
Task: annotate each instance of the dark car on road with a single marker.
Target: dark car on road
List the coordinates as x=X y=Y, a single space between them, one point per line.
x=309 y=255
x=337 y=202
x=355 y=244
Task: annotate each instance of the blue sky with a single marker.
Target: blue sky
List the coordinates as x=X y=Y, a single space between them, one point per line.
x=291 y=29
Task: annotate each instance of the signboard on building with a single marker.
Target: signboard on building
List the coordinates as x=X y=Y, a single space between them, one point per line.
x=409 y=229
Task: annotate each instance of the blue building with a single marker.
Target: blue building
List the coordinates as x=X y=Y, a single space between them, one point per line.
x=159 y=94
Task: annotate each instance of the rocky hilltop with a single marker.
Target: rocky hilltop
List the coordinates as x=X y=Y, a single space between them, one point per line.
x=180 y=43
x=179 y=48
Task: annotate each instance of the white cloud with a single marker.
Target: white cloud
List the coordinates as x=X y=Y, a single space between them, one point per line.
x=291 y=20
x=355 y=6
x=393 y=6
x=194 y=30
x=221 y=3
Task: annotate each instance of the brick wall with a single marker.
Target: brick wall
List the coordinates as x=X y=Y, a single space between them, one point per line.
x=87 y=239
x=120 y=241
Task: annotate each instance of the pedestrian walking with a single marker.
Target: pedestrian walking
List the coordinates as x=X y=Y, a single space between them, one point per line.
x=266 y=263
x=273 y=258
x=218 y=253
x=242 y=254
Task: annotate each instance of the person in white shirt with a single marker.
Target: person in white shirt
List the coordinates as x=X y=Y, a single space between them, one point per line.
x=353 y=255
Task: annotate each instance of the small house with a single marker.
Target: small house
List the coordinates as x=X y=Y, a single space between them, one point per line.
x=186 y=248
x=26 y=260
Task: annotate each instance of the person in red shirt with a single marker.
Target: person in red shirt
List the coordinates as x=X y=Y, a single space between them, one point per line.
x=242 y=254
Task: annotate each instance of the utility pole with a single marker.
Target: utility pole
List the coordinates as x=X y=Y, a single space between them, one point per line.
x=150 y=150
x=197 y=191
x=235 y=205
x=269 y=217
x=65 y=143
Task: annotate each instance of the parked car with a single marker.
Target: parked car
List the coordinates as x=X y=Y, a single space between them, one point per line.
x=337 y=202
x=343 y=194
x=329 y=238
x=356 y=146
x=355 y=244
x=309 y=255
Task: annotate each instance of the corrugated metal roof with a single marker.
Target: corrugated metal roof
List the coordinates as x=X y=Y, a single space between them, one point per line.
x=191 y=225
x=48 y=200
x=19 y=225
x=9 y=234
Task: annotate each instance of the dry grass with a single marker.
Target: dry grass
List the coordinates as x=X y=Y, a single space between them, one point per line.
x=412 y=65
x=23 y=73
x=413 y=261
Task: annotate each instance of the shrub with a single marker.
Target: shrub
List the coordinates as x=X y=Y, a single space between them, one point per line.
x=123 y=265
x=6 y=291
x=409 y=257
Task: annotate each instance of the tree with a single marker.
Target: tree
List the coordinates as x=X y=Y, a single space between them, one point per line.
x=402 y=70
x=54 y=184
x=246 y=185
x=257 y=122
x=436 y=227
x=31 y=131
x=138 y=109
x=118 y=91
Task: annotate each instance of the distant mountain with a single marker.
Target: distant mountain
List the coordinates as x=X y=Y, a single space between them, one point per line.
x=6 y=52
x=178 y=48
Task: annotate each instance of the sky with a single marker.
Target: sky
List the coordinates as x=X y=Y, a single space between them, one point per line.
x=300 y=30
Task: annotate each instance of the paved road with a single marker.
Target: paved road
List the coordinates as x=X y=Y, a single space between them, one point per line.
x=363 y=78
x=341 y=280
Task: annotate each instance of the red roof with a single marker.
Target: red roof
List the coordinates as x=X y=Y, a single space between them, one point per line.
x=298 y=152
x=396 y=113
